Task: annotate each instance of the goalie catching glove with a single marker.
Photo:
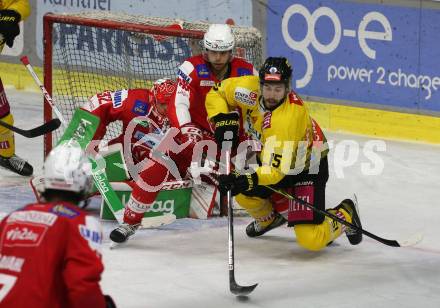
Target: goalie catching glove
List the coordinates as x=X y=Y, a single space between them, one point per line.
x=237 y=183
x=9 y=27
x=224 y=123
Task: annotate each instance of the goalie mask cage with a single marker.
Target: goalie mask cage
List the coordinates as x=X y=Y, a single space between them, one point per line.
x=88 y=53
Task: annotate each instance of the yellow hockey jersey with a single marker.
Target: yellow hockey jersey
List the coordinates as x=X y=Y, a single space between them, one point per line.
x=291 y=140
x=20 y=6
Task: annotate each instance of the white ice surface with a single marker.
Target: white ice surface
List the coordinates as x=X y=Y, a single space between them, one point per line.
x=185 y=264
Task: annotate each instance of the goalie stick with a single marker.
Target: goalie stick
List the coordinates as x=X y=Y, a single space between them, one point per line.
x=416 y=238
x=99 y=176
x=34 y=132
x=233 y=286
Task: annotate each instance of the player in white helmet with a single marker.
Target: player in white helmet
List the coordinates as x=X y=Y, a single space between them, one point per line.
x=186 y=111
x=57 y=236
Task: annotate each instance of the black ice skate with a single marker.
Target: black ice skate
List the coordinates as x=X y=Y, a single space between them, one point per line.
x=17 y=165
x=354 y=237
x=254 y=229
x=123 y=232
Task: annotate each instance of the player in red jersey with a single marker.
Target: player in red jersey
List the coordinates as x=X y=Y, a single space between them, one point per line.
x=144 y=124
x=50 y=251
x=186 y=111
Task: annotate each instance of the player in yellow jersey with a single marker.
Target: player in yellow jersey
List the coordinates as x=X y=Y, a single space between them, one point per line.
x=11 y=13
x=293 y=156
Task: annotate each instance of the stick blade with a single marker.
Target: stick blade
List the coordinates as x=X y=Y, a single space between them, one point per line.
x=241 y=290
x=412 y=241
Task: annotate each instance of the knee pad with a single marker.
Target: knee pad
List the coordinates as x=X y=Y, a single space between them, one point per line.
x=256 y=207
x=312 y=237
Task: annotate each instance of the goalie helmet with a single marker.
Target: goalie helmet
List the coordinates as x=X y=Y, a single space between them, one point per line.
x=276 y=69
x=67 y=168
x=219 y=37
x=163 y=90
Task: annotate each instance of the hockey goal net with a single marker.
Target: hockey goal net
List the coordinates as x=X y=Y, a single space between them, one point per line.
x=88 y=53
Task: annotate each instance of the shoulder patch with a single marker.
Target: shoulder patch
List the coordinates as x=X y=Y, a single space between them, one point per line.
x=245 y=96
x=184 y=71
x=91 y=231
x=64 y=211
x=140 y=108
x=119 y=97
x=242 y=71
x=202 y=71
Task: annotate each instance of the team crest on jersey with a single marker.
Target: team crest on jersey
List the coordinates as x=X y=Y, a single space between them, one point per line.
x=267 y=120
x=61 y=210
x=207 y=83
x=245 y=96
x=202 y=71
x=140 y=107
x=241 y=71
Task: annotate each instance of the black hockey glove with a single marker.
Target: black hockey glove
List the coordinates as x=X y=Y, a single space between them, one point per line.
x=226 y=128
x=9 y=28
x=237 y=183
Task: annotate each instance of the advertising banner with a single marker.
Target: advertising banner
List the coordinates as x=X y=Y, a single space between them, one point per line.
x=192 y=10
x=361 y=52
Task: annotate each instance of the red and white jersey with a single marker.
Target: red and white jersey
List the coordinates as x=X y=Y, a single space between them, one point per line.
x=135 y=109
x=194 y=80
x=50 y=257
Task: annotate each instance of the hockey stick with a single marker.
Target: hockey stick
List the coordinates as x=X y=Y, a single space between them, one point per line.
x=413 y=240
x=233 y=286
x=34 y=132
x=416 y=238
x=47 y=96
x=99 y=176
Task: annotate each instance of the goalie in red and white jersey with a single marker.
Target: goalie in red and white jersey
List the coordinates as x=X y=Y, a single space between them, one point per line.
x=187 y=112
x=129 y=106
x=50 y=251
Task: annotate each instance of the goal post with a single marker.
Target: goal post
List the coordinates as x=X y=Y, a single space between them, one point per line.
x=87 y=53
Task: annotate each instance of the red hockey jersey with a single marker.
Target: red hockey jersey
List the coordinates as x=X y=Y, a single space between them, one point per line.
x=195 y=79
x=135 y=109
x=50 y=257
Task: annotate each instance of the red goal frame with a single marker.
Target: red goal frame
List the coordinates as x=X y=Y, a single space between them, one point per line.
x=50 y=19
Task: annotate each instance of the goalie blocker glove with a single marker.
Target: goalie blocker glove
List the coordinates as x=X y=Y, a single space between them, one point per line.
x=224 y=123
x=9 y=27
x=237 y=183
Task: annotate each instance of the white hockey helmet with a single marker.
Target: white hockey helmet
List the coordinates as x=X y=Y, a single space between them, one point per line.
x=67 y=168
x=219 y=37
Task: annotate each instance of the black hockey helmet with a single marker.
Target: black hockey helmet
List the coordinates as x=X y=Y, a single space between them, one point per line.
x=275 y=69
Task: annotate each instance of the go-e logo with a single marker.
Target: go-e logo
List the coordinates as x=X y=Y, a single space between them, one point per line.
x=310 y=37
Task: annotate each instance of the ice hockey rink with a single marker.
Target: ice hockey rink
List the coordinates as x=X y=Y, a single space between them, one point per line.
x=185 y=264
